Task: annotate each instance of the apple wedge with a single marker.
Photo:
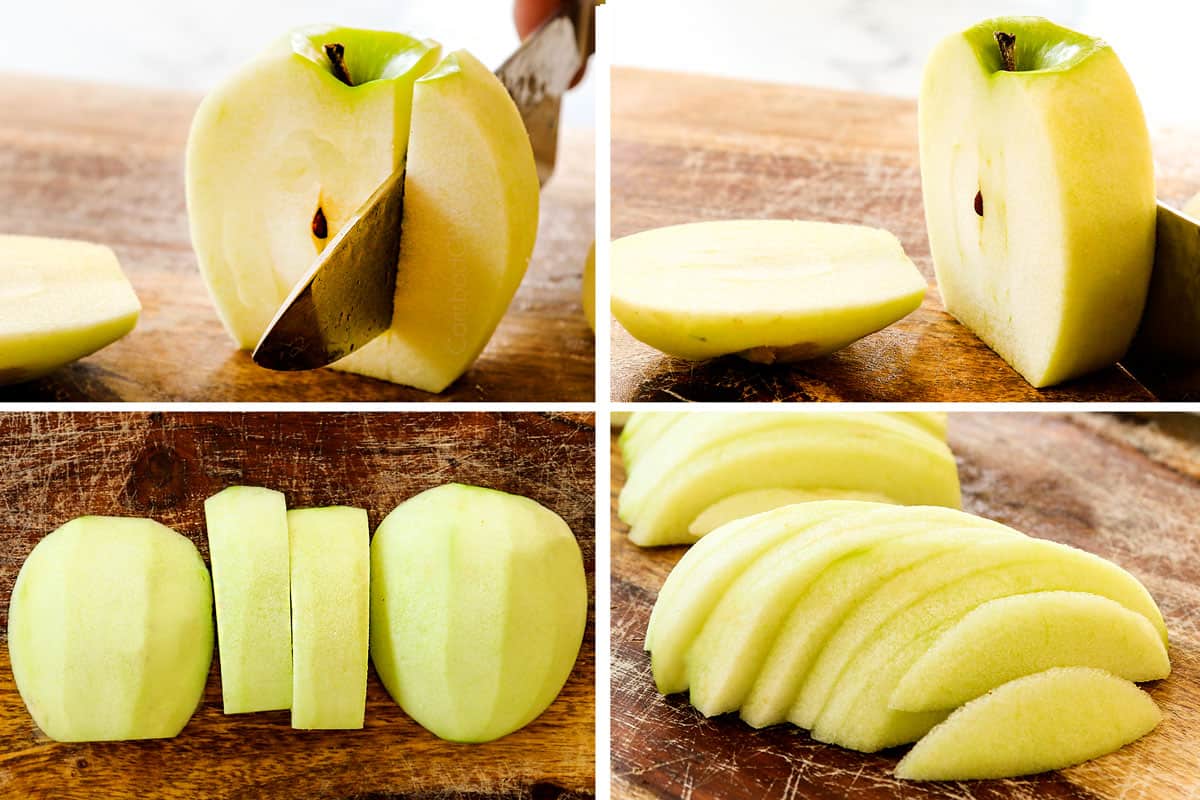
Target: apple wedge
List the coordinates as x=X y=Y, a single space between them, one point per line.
x=62 y=300
x=1048 y=720
x=756 y=501
x=248 y=545
x=766 y=290
x=110 y=630
x=478 y=608
x=1008 y=638
x=330 y=579
x=1039 y=194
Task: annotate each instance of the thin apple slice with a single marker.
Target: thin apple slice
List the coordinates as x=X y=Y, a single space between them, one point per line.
x=62 y=300
x=248 y=546
x=110 y=630
x=767 y=290
x=1007 y=638
x=470 y=220
x=1045 y=721
x=642 y=431
x=756 y=501
x=330 y=578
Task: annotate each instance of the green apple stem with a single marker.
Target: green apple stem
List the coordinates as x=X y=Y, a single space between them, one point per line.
x=1008 y=50
x=320 y=228
x=337 y=58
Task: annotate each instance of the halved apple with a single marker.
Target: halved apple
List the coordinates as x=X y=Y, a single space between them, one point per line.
x=766 y=290
x=330 y=578
x=110 y=630
x=1048 y=720
x=1007 y=638
x=62 y=300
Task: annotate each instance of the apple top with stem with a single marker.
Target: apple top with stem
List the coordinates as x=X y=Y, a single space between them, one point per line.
x=355 y=57
x=1029 y=46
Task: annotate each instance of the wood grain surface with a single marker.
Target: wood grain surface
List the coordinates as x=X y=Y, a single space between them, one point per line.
x=1123 y=487
x=58 y=466
x=105 y=164
x=690 y=148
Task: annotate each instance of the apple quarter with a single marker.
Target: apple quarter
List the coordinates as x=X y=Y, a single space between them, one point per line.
x=248 y=545
x=330 y=579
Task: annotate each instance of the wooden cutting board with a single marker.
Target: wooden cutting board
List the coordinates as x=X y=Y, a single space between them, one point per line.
x=1123 y=487
x=59 y=466
x=105 y=164
x=688 y=148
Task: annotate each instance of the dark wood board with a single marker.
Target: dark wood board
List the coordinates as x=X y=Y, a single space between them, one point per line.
x=106 y=164
x=59 y=466
x=1124 y=487
x=689 y=148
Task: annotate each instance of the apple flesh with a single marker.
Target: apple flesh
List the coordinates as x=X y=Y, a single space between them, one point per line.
x=1048 y=720
x=62 y=300
x=470 y=221
x=110 y=630
x=248 y=546
x=766 y=290
x=1039 y=194
x=1007 y=638
x=330 y=582
x=756 y=501
x=478 y=608
x=589 y=288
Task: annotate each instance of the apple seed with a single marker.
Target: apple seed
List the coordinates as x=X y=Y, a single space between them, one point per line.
x=978 y=203
x=1008 y=50
x=337 y=59
x=320 y=228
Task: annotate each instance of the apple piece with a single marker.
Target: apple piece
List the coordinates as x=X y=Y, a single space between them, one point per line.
x=478 y=608
x=1045 y=721
x=709 y=456
x=644 y=429
x=766 y=290
x=1010 y=637
x=248 y=544
x=62 y=300
x=330 y=579
x=110 y=630
x=756 y=501
x=1039 y=194
x=282 y=153
x=470 y=220
x=588 y=290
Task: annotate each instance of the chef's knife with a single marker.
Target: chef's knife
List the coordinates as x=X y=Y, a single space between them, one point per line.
x=345 y=300
x=1170 y=329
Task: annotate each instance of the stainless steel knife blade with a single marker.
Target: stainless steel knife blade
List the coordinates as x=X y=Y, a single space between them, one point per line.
x=1170 y=327
x=346 y=298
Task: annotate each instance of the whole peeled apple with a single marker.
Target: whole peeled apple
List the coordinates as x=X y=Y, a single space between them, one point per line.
x=1039 y=194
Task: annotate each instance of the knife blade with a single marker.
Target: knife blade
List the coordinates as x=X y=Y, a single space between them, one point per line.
x=346 y=298
x=1170 y=327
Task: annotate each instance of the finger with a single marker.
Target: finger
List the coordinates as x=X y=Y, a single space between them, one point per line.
x=530 y=14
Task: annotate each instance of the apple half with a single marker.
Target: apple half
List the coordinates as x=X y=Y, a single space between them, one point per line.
x=1039 y=194
x=110 y=630
x=62 y=300
x=766 y=290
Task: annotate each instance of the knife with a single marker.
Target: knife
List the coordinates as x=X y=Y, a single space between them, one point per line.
x=346 y=298
x=1170 y=328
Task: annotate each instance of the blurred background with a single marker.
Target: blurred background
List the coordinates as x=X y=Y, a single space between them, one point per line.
x=193 y=45
x=880 y=45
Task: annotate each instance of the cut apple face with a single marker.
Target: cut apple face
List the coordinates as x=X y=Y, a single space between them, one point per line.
x=110 y=630
x=1039 y=194
x=478 y=608
x=62 y=300
x=706 y=457
x=766 y=290
x=330 y=580
x=1011 y=637
x=1048 y=720
x=248 y=545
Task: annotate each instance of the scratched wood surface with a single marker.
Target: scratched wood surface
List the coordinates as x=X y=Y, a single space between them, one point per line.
x=1124 y=487
x=690 y=148
x=59 y=466
x=105 y=164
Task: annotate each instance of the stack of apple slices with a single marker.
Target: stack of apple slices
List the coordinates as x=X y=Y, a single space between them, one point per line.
x=875 y=625
x=689 y=472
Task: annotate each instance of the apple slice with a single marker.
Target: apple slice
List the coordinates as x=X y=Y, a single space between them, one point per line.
x=330 y=578
x=766 y=290
x=470 y=220
x=1039 y=194
x=478 y=608
x=1007 y=638
x=588 y=288
x=756 y=501
x=1048 y=720
x=110 y=630
x=62 y=300
x=248 y=545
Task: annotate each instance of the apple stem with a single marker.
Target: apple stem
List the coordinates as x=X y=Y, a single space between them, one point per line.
x=320 y=227
x=1008 y=50
x=337 y=57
